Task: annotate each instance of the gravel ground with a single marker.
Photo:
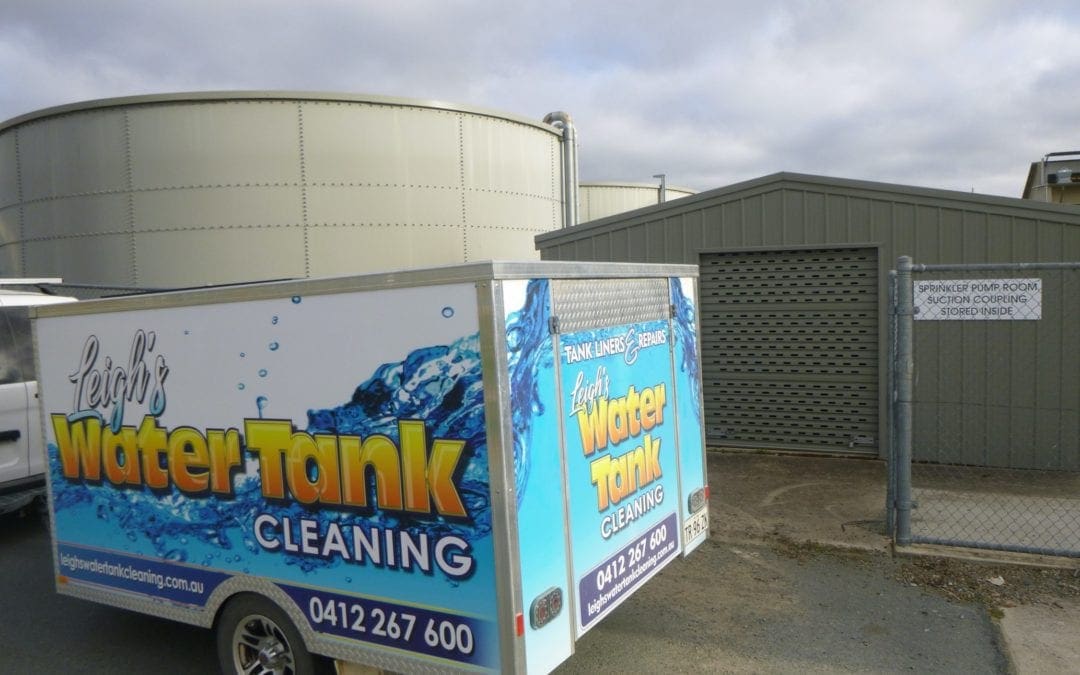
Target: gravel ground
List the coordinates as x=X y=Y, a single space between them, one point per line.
x=778 y=606
x=992 y=586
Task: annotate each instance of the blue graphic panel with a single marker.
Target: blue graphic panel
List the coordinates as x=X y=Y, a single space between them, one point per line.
x=170 y=459
x=538 y=468
x=688 y=390
x=620 y=436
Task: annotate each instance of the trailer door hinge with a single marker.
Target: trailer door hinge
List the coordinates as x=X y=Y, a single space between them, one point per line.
x=553 y=325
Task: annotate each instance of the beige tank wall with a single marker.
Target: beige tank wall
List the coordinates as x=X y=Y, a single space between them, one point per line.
x=599 y=200
x=161 y=193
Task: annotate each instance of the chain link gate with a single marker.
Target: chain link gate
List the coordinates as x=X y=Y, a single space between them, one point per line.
x=985 y=377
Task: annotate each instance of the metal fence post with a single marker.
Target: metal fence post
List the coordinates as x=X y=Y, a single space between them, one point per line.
x=905 y=313
x=890 y=411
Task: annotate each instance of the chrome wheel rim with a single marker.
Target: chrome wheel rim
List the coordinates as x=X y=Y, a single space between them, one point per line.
x=261 y=648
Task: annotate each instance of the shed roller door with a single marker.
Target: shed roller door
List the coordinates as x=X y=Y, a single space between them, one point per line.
x=790 y=349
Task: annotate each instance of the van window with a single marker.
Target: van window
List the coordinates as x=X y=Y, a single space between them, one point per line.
x=16 y=346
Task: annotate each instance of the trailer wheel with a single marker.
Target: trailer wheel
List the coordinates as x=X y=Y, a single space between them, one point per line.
x=256 y=637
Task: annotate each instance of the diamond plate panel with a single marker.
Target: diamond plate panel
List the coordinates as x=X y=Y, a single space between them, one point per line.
x=598 y=303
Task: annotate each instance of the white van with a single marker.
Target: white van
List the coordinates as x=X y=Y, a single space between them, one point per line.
x=22 y=465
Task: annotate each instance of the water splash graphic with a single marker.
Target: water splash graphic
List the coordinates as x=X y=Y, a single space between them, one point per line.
x=529 y=352
x=686 y=341
x=441 y=385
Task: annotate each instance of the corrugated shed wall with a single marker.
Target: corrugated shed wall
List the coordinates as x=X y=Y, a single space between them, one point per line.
x=792 y=212
x=1001 y=393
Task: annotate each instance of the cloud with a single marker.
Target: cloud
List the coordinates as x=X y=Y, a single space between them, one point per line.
x=959 y=96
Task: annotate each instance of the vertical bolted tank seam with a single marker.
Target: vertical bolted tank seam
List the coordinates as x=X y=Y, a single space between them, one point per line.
x=303 y=188
x=22 y=210
x=129 y=182
x=461 y=177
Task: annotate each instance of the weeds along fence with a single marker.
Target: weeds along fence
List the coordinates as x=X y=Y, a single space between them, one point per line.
x=985 y=374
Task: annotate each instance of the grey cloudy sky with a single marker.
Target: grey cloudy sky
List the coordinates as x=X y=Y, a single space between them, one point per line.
x=959 y=95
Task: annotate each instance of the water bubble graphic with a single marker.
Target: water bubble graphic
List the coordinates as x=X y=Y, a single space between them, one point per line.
x=215 y=532
x=274 y=320
x=263 y=372
x=296 y=299
x=274 y=346
x=448 y=312
x=242 y=354
x=187 y=332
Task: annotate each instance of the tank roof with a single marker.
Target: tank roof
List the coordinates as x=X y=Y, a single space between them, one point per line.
x=621 y=184
x=265 y=95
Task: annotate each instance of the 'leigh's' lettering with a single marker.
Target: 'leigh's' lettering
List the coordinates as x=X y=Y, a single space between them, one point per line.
x=111 y=385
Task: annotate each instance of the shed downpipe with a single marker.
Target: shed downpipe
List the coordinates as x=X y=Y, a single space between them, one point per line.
x=561 y=120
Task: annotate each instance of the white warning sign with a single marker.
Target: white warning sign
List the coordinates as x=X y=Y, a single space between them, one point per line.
x=978 y=300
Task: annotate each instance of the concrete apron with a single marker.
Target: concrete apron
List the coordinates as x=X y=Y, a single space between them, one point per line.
x=841 y=502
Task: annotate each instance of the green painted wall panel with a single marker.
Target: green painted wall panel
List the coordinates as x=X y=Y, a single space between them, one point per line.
x=998 y=406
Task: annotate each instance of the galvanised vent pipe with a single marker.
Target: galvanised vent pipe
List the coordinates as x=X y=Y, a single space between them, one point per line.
x=562 y=120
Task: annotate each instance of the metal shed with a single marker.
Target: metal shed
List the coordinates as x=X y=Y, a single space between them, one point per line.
x=794 y=272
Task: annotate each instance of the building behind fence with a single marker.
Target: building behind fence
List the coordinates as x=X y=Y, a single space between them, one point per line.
x=986 y=373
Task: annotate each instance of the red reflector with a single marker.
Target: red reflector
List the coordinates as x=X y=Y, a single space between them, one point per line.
x=520 y=618
x=706 y=493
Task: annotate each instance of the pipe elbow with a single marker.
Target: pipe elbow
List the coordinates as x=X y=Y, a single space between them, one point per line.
x=558 y=118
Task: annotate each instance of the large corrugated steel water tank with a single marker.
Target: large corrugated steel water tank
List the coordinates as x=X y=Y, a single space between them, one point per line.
x=601 y=199
x=208 y=188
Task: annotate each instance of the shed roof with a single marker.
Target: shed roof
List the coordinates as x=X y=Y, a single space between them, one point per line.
x=968 y=201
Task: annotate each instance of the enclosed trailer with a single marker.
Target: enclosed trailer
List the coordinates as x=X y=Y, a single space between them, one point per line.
x=461 y=468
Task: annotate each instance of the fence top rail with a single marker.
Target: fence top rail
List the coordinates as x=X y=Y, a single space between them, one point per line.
x=975 y=267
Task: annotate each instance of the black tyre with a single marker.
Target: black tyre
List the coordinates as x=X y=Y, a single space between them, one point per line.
x=256 y=637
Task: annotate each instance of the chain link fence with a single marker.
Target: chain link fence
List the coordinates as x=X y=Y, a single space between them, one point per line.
x=986 y=417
